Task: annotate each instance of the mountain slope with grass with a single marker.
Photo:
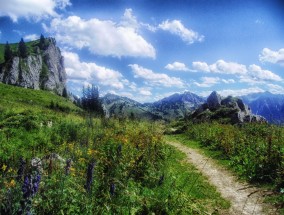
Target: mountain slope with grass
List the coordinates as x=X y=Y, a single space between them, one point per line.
x=55 y=158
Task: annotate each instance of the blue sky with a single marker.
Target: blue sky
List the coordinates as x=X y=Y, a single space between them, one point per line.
x=147 y=50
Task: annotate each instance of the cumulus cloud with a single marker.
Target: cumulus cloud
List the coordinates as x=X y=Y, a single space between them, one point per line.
x=235 y=92
x=177 y=28
x=221 y=67
x=228 y=81
x=157 y=79
x=276 y=57
x=78 y=71
x=241 y=92
x=259 y=74
x=252 y=74
x=275 y=89
x=31 y=37
x=102 y=37
x=177 y=66
x=34 y=9
x=201 y=66
x=208 y=81
x=145 y=92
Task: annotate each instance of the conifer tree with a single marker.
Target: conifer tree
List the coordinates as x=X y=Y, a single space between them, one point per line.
x=8 y=54
x=91 y=101
x=42 y=42
x=23 y=52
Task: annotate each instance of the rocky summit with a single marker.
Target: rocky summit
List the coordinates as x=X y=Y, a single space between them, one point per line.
x=228 y=110
x=43 y=68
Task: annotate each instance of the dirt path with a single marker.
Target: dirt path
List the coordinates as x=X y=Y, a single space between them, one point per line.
x=245 y=199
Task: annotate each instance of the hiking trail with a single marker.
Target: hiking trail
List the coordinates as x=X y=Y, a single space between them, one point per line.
x=245 y=199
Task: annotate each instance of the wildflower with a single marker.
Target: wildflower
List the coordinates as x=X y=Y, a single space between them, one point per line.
x=90 y=172
x=21 y=169
x=68 y=166
x=4 y=167
x=30 y=185
x=112 y=189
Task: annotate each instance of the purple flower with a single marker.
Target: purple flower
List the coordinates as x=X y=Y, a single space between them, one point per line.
x=30 y=185
x=90 y=172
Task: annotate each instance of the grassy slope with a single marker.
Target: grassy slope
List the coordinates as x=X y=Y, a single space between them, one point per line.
x=180 y=178
x=14 y=46
x=17 y=99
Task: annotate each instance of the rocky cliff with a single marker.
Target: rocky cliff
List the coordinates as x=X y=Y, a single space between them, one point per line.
x=43 y=68
x=226 y=110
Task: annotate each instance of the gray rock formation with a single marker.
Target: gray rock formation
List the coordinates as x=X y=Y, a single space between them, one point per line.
x=229 y=110
x=214 y=100
x=43 y=69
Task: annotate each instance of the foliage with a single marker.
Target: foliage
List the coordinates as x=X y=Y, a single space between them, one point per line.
x=23 y=52
x=91 y=101
x=255 y=151
x=58 y=162
x=8 y=54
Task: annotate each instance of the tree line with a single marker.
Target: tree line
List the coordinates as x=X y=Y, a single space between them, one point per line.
x=22 y=50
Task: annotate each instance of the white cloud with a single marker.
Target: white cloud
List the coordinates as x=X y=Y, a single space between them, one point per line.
x=34 y=9
x=276 y=57
x=259 y=74
x=129 y=20
x=31 y=37
x=157 y=79
x=78 y=71
x=228 y=81
x=208 y=81
x=252 y=74
x=235 y=92
x=221 y=67
x=201 y=66
x=101 y=37
x=275 y=89
x=145 y=92
x=177 y=66
x=177 y=28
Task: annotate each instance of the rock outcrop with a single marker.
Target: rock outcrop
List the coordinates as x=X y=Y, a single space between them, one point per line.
x=228 y=110
x=41 y=69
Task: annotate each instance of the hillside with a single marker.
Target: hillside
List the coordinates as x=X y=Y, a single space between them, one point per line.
x=53 y=158
x=41 y=66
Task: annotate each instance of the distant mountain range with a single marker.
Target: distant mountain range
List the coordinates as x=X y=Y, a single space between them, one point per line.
x=175 y=106
x=268 y=105
x=179 y=105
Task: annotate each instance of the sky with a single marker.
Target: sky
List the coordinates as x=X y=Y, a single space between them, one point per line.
x=147 y=50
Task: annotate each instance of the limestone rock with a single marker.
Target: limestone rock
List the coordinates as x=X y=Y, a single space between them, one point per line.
x=43 y=69
x=214 y=100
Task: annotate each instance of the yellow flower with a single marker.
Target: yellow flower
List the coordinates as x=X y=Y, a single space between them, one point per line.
x=4 y=167
x=72 y=170
x=91 y=152
x=12 y=183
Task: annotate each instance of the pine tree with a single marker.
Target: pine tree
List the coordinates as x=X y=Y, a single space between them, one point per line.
x=42 y=42
x=65 y=93
x=8 y=54
x=23 y=52
x=91 y=101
